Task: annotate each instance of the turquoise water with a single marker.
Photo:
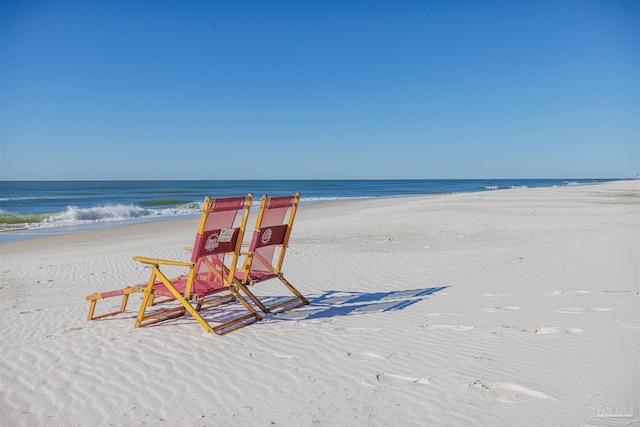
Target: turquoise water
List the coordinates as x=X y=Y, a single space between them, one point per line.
x=37 y=208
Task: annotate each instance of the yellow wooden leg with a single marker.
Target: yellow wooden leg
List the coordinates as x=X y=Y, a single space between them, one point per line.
x=92 y=308
x=145 y=300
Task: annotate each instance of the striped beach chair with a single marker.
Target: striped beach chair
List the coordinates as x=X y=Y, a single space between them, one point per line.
x=210 y=280
x=266 y=253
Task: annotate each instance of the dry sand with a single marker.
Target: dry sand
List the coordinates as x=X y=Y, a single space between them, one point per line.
x=503 y=308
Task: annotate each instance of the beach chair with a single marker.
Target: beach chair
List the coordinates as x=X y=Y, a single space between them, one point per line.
x=211 y=271
x=210 y=280
x=264 y=258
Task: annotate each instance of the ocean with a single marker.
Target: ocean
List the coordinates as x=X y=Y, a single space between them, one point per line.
x=30 y=209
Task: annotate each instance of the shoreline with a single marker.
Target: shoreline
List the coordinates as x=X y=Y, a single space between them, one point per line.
x=501 y=308
x=28 y=233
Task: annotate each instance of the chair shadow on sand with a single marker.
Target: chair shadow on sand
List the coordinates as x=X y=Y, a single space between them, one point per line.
x=341 y=303
x=329 y=304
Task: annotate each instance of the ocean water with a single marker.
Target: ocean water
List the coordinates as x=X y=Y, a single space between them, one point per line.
x=30 y=209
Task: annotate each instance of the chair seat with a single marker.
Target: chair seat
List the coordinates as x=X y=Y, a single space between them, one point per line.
x=201 y=288
x=257 y=276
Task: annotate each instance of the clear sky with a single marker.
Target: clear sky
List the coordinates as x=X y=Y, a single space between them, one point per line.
x=319 y=89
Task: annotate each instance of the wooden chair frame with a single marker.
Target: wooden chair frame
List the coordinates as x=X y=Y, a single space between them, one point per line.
x=123 y=305
x=186 y=294
x=275 y=271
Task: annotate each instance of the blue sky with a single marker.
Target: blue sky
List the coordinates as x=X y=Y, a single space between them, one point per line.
x=319 y=89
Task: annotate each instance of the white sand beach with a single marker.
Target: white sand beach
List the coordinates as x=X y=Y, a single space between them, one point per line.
x=504 y=308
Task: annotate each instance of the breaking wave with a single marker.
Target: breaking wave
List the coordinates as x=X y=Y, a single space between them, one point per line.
x=98 y=214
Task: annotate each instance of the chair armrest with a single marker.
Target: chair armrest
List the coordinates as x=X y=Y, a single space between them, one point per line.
x=156 y=261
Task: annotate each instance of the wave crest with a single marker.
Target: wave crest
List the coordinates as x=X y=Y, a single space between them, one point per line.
x=74 y=215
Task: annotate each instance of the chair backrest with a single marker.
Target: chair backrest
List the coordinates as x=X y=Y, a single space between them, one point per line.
x=220 y=233
x=271 y=235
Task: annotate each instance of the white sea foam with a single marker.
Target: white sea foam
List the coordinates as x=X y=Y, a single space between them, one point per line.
x=110 y=213
x=74 y=215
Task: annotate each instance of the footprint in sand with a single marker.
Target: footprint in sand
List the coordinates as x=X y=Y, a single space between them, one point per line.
x=443 y=314
x=498 y=309
x=570 y=293
x=553 y=330
x=579 y=310
x=366 y=357
x=550 y=330
x=347 y=332
x=450 y=327
x=572 y=310
x=385 y=380
x=629 y=325
x=150 y=342
x=510 y=393
x=275 y=355
x=294 y=322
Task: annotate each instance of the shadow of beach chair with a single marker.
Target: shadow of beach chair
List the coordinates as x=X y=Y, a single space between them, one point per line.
x=265 y=256
x=210 y=280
